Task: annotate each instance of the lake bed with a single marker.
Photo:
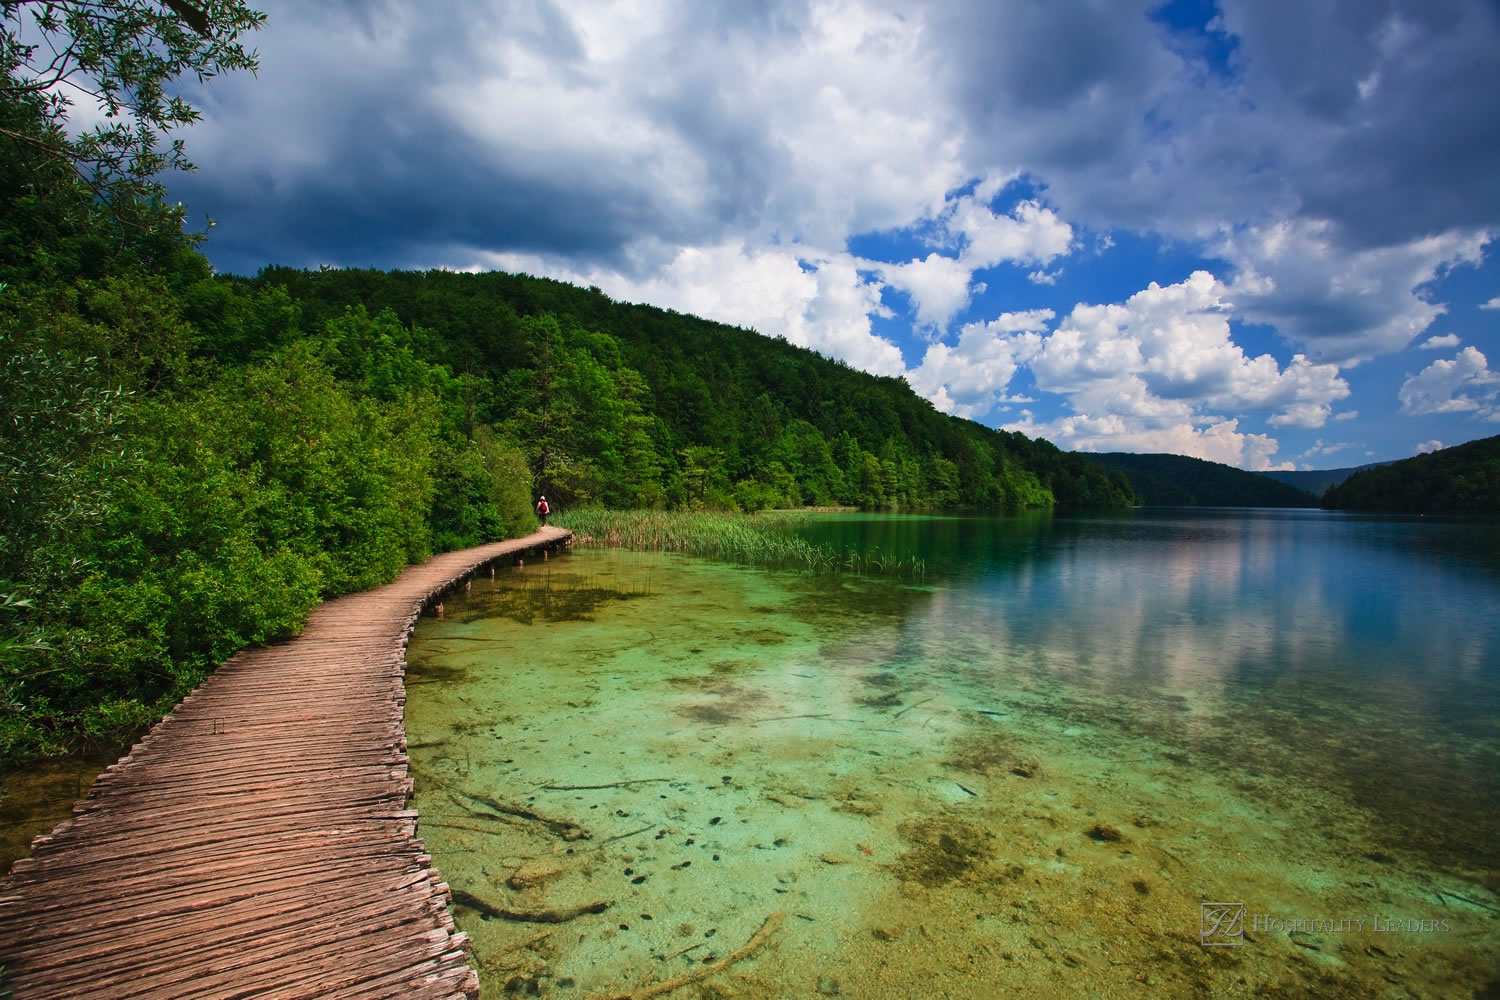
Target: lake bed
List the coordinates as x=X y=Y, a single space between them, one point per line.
x=1036 y=768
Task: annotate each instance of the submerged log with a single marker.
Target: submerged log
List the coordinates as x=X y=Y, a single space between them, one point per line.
x=550 y=915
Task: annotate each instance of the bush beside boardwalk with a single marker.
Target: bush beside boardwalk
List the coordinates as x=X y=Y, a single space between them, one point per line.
x=221 y=507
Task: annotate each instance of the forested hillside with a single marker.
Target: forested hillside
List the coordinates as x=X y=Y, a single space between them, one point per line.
x=1464 y=479
x=631 y=405
x=1167 y=480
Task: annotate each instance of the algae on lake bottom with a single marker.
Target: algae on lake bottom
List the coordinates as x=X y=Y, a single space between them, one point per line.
x=938 y=807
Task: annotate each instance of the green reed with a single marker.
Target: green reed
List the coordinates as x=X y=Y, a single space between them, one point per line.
x=766 y=539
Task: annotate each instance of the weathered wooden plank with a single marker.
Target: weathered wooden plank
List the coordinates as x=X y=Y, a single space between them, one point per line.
x=172 y=896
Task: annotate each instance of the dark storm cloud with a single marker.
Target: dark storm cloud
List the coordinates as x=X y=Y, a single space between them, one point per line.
x=377 y=202
x=1421 y=153
x=1060 y=90
x=331 y=157
x=1128 y=129
x=349 y=147
x=334 y=154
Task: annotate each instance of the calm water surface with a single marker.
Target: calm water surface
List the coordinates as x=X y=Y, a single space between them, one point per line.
x=1028 y=771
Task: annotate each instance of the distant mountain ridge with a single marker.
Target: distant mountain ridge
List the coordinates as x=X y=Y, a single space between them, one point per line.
x=1317 y=481
x=1177 y=480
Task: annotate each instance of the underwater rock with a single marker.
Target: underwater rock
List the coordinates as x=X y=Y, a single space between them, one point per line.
x=526 y=985
x=828 y=986
x=1026 y=768
x=890 y=933
x=535 y=874
x=1103 y=833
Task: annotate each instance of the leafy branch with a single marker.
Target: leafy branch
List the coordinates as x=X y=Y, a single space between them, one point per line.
x=121 y=56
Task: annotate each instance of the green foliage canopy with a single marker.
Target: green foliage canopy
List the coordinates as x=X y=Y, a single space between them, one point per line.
x=633 y=406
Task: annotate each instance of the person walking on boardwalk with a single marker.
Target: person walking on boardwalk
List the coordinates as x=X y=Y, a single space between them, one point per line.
x=542 y=510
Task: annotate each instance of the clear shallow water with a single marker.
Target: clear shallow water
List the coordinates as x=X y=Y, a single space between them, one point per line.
x=39 y=796
x=1028 y=773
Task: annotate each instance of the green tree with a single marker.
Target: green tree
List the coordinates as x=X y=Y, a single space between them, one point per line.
x=585 y=418
x=125 y=56
x=482 y=491
x=942 y=481
x=704 y=484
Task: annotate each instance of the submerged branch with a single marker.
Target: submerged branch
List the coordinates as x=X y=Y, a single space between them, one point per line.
x=460 y=826
x=622 y=836
x=565 y=829
x=611 y=784
x=697 y=975
x=908 y=708
x=558 y=915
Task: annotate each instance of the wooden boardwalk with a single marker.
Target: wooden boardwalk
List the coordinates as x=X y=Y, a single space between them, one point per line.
x=258 y=842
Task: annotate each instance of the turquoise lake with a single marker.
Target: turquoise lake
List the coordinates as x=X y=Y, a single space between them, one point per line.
x=1162 y=752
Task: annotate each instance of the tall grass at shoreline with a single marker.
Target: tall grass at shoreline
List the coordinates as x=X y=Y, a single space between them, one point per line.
x=766 y=539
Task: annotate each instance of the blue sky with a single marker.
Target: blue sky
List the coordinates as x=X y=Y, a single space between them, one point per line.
x=1256 y=231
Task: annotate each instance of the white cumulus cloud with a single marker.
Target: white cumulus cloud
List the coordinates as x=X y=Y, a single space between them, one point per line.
x=1168 y=350
x=1344 y=306
x=1158 y=372
x=969 y=378
x=940 y=286
x=1030 y=234
x=1463 y=384
x=1214 y=439
x=1435 y=343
